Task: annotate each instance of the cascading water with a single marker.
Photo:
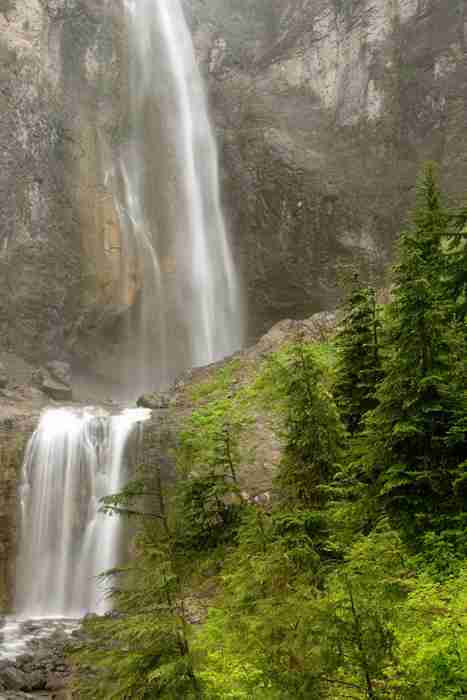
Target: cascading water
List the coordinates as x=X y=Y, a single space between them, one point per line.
x=169 y=203
x=73 y=459
x=166 y=186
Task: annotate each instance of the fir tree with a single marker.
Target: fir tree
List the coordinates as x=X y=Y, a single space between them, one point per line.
x=457 y=265
x=208 y=500
x=142 y=650
x=413 y=452
x=313 y=432
x=359 y=365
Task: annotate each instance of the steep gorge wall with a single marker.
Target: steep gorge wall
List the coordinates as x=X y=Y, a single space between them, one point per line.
x=61 y=278
x=324 y=111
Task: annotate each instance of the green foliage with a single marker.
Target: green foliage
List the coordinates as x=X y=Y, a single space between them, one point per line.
x=210 y=437
x=432 y=640
x=312 y=431
x=456 y=247
x=299 y=634
x=142 y=650
x=412 y=445
x=208 y=497
x=352 y=582
x=359 y=366
x=208 y=511
x=255 y=624
x=219 y=385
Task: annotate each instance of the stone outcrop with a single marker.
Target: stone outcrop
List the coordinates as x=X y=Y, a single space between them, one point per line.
x=55 y=380
x=260 y=445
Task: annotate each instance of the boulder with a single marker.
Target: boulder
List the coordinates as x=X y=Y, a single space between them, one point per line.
x=60 y=372
x=56 y=390
x=50 y=384
x=56 y=681
x=153 y=401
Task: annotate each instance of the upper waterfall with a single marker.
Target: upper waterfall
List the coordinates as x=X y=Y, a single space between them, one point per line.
x=167 y=191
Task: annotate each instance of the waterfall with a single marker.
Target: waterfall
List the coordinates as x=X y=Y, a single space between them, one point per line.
x=73 y=459
x=166 y=186
x=169 y=204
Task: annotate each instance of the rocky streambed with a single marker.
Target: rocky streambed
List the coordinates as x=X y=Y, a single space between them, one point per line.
x=33 y=658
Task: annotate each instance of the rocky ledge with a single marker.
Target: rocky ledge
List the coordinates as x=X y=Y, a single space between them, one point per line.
x=39 y=668
x=193 y=390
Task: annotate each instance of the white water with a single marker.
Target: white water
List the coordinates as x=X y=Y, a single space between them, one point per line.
x=169 y=203
x=21 y=636
x=166 y=184
x=73 y=459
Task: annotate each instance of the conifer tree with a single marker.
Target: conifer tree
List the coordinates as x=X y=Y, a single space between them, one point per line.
x=142 y=650
x=313 y=432
x=457 y=265
x=359 y=365
x=413 y=454
x=208 y=496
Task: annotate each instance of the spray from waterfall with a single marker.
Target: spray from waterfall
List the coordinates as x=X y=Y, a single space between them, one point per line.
x=169 y=204
x=73 y=459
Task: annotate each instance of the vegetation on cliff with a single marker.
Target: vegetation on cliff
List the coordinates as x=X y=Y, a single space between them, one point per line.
x=350 y=579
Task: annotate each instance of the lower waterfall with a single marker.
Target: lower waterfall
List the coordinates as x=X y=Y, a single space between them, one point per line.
x=74 y=458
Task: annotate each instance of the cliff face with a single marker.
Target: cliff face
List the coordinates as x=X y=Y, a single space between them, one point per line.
x=324 y=111
x=13 y=432
x=60 y=239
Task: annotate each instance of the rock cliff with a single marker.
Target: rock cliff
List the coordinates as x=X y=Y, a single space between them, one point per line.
x=324 y=111
x=60 y=240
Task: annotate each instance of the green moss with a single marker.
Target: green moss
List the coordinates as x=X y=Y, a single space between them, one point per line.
x=219 y=386
x=11 y=453
x=325 y=353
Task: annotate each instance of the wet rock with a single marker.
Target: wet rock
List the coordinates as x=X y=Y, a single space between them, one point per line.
x=51 y=386
x=13 y=679
x=153 y=401
x=3 y=376
x=60 y=372
x=57 y=391
x=35 y=680
x=56 y=681
x=63 y=694
x=24 y=661
x=41 y=669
